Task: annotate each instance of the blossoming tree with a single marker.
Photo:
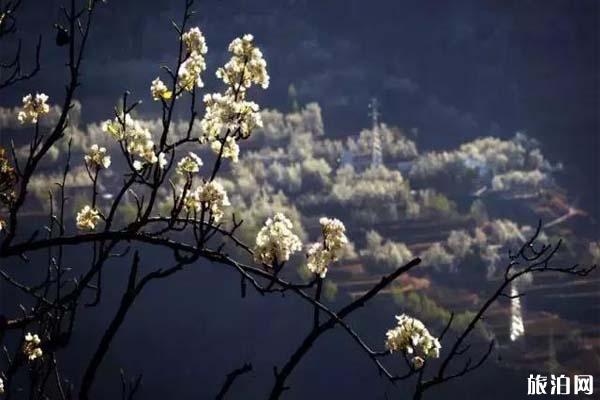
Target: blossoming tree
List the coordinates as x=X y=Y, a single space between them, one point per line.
x=194 y=227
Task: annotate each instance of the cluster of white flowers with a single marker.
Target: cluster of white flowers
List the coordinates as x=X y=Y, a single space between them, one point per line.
x=190 y=71
x=189 y=164
x=210 y=194
x=159 y=90
x=140 y=143
x=120 y=127
x=31 y=347
x=213 y=194
x=193 y=66
x=321 y=254
x=97 y=157
x=246 y=66
x=412 y=337
x=194 y=41
x=231 y=150
x=162 y=160
x=226 y=115
x=275 y=241
x=1 y=386
x=87 y=218
x=138 y=139
x=229 y=116
x=334 y=233
x=317 y=259
x=220 y=115
x=33 y=108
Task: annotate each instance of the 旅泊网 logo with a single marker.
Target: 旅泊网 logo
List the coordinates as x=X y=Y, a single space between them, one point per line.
x=560 y=384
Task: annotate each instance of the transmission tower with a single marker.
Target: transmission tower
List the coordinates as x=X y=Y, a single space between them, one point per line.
x=517 y=329
x=377 y=156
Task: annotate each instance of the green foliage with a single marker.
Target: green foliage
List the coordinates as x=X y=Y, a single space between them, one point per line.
x=78 y=201
x=442 y=205
x=429 y=310
x=478 y=211
x=462 y=320
x=383 y=255
x=419 y=304
x=330 y=290
x=127 y=212
x=261 y=206
x=293 y=98
x=303 y=272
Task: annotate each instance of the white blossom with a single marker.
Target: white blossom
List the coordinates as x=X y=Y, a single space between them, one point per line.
x=140 y=144
x=31 y=346
x=97 y=157
x=412 y=337
x=1 y=386
x=210 y=194
x=275 y=241
x=138 y=165
x=334 y=234
x=120 y=127
x=190 y=71
x=189 y=164
x=137 y=138
x=318 y=258
x=162 y=160
x=225 y=113
x=194 y=41
x=87 y=218
x=33 y=108
x=418 y=362
x=159 y=90
x=191 y=202
x=231 y=150
x=321 y=254
x=246 y=66
x=214 y=195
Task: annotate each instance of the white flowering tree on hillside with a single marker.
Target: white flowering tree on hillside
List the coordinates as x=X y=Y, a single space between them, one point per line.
x=196 y=222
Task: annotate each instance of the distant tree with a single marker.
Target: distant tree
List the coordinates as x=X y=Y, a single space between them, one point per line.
x=382 y=256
